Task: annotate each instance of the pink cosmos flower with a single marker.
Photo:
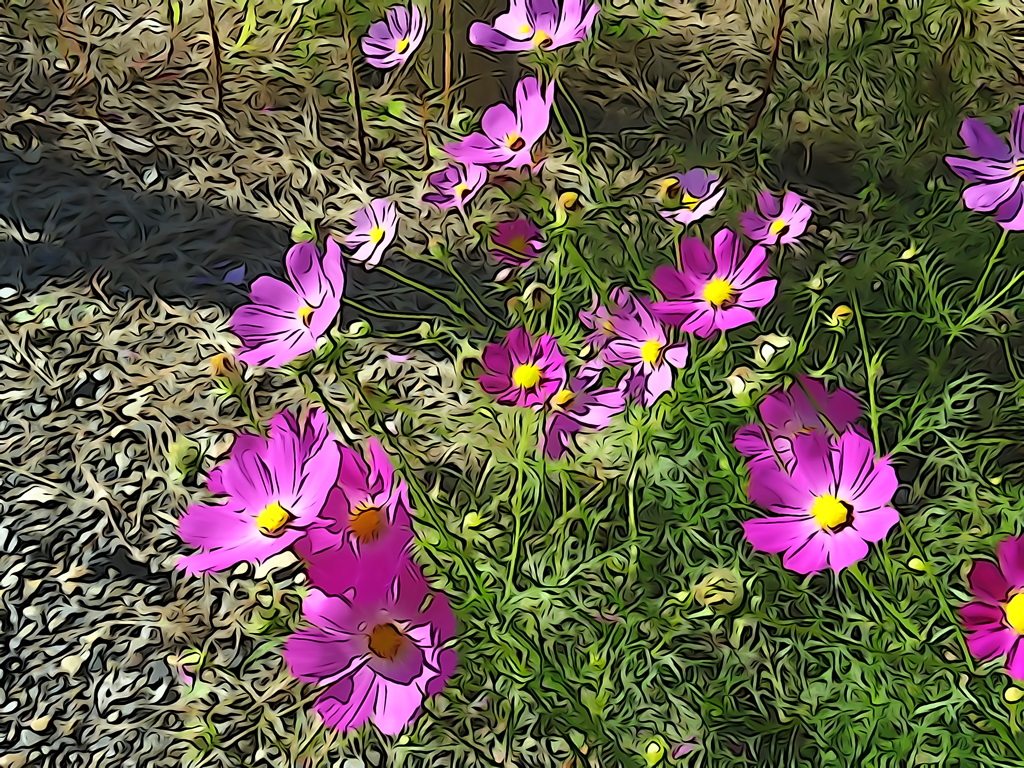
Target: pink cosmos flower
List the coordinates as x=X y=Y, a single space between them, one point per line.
x=380 y=655
x=516 y=242
x=276 y=488
x=690 y=196
x=995 y=619
x=374 y=229
x=714 y=292
x=455 y=185
x=286 y=320
x=370 y=533
x=776 y=221
x=832 y=501
x=545 y=24
x=640 y=342
x=582 y=405
x=523 y=372
x=392 y=41
x=600 y=319
x=805 y=408
x=996 y=179
x=508 y=137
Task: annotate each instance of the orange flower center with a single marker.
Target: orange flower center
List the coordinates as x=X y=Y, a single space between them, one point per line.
x=387 y=641
x=367 y=523
x=562 y=399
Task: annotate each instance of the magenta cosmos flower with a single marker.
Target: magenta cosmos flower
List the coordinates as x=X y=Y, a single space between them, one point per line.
x=640 y=341
x=370 y=533
x=995 y=179
x=523 y=372
x=776 y=220
x=545 y=24
x=391 y=42
x=600 y=319
x=687 y=197
x=581 y=405
x=516 y=242
x=714 y=292
x=455 y=185
x=833 y=500
x=275 y=489
x=805 y=408
x=508 y=137
x=374 y=229
x=381 y=655
x=995 y=619
x=286 y=320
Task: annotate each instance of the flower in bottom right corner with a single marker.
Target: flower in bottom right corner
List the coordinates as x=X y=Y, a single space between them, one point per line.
x=833 y=500
x=994 y=620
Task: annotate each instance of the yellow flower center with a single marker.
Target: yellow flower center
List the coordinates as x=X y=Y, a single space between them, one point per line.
x=689 y=201
x=830 y=512
x=515 y=142
x=608 y=327
x=1014 y=610
x=306 y=314
x=718 y=292
x=517 y=244
x=669 y=186
x=273 y=520
x=542 y=39
x=376 y=234
x=367 y=522
x=779 y=227
x=461 y=190
x=563 y=399
x=1019 y=168
x=651 y=351
x=386 y=641
x=526 y=376
x=402 y=45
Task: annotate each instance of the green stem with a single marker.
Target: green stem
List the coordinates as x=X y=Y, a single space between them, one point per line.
x=429 y=291
x=457 y=276
x=577 y=151
x=980 y=290
x=584 y=155
x=388 y=315
x=902 y=620
x=517 y=504
x=868 y=368
x=980 y=311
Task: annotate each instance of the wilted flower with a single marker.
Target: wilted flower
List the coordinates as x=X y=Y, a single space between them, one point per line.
x=455 y=185
x=995 y=180
x=805 y=408
x=523 y=372
x=831 y=502
x=544 y=24
x=517 y=242
x=370 y=532
x=392 y=41
x=581 y=405
x=768 y=346
x=374 y=229
x=714 y=292
x=276 y=488
x=640 y=341
x=285 y=320
x=687 y=197
x=508 y=137
x=995 y=618
x=380 y=655
x=776 y=221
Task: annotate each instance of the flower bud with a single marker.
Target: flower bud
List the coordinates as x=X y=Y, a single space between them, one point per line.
x=303 y=232
x=359 y=329
x=537 y=296
x=1013 y=694
x=740 y=380
x=225 y=366
x=766 y=347
x=841 y=316
x=654 y=753
x=569 y=201
x=917 y=564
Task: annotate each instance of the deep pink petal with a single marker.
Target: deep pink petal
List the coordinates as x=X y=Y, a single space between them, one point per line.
x=1010 y=554
x=988 y=583
x=778 y=534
